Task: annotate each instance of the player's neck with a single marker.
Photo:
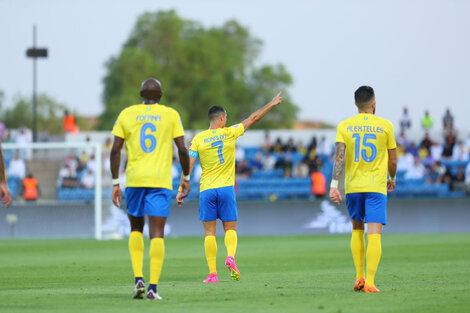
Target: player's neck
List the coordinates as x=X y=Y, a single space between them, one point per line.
x=215 y=125
x=150 y=101
x=368 y=111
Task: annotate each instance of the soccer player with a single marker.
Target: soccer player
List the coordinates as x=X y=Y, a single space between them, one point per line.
x=148 y=129
x=366 y=144
x=4 y=193
x=215 y=148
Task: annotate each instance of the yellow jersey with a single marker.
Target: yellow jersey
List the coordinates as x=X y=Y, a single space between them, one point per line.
x=148 y=131
x=367 y=138
x=216 y=151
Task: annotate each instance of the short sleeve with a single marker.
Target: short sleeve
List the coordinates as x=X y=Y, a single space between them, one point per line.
x=118 y=129
x=237 y=130
x=339 y=133
x=193 y=150
x=178 y=130
x=391 y=143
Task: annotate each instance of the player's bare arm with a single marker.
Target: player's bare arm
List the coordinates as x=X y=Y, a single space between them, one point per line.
x=181 y=195
x=4 y=193
x=392 y=169
x=340 y=159
x=115 y=162
x=259 y=114
x=184 y=161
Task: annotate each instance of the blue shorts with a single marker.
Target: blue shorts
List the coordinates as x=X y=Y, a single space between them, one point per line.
x=148 y=201
x=367 y=207
x=218 y=203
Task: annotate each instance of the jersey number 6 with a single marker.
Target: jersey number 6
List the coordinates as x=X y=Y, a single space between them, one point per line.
x=144 y=137
x=219 y=144
x=363 y=153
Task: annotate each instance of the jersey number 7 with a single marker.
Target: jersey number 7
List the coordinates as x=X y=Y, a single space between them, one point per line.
x=220 y=145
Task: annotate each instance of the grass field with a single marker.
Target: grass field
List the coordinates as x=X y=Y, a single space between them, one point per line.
x=418 y=273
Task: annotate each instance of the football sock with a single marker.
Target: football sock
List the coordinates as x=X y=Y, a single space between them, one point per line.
x=374 y=251
x=358 y=251
x=136 y=250
x=152 y=287
x=139 y=278
x=210 y=245
x=157 y=253
x=231 y=242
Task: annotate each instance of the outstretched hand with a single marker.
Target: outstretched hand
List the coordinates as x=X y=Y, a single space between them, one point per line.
x=277 y=99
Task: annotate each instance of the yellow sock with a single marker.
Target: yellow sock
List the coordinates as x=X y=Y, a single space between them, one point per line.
x=231 y=242
x=358 y=251
x=374 y=251
x=210 y=245
x=157 y=253
x=136 y=250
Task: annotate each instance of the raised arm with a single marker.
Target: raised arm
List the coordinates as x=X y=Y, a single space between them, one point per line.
x=340 y=158
x=392 y=169
x=4 y=193
x=259 y=114
x=115 y=162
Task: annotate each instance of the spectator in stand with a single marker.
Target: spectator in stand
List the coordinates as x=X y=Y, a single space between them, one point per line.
x=88 y=179
x=323 y=147
x=402 y=140
x=413 y=149
x=318 y=184
x=416 y=171
x=460 y=152
x=448 y=146
x=436 y=151
x=239 y=154
x=257 y=163
x=428 y=160
x=30 y=188
x=269 y=162
x=312 y=145
x=301 y=169
x=278 y=146
x=290 y=146
x=426 y=142
x=281 y=161
x=435 y=173
x=242 y=170
x=405 y=161
x=405 y=121
x=427 y=121
x=288 y=168
x=458 y=180
x=267 y=146
x=70 y=126
x=23 y=138
x=300 y=147
x=448 y=122
x=17 y=167
x=67 y=177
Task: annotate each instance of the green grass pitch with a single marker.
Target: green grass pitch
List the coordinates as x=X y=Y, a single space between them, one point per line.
x=418 y=273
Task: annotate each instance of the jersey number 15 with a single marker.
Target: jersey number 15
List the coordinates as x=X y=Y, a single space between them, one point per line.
x=366 y=144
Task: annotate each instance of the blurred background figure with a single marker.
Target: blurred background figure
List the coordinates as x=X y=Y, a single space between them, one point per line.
x=405 y=121
x=427 y=121
x=70 y=126
x=31 y=190
x=447 y=122
x=17 y=167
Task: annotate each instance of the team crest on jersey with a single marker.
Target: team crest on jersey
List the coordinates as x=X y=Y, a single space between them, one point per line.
x=365 y=118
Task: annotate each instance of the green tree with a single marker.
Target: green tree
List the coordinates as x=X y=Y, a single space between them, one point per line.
x=49 y=113
x=198 y=67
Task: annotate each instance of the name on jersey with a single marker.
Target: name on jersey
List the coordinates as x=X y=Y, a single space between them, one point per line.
x=215 y=138
x=365 y=128
x=148 y=118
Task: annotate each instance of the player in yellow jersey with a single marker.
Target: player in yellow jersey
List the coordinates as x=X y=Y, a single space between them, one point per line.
x=148 y=130
x=215 y=148
x=367 y=144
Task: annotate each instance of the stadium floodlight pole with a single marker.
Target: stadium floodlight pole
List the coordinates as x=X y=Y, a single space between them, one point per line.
x=35 y=53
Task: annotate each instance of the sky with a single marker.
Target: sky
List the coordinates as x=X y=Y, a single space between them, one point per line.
x=415 y=53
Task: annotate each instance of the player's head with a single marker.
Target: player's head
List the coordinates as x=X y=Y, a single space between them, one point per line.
x=217 y=115
x=151 y=90
x=364 y=97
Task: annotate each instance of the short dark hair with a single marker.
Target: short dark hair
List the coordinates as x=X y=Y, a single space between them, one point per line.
x=215 y=111
x=363 y=95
